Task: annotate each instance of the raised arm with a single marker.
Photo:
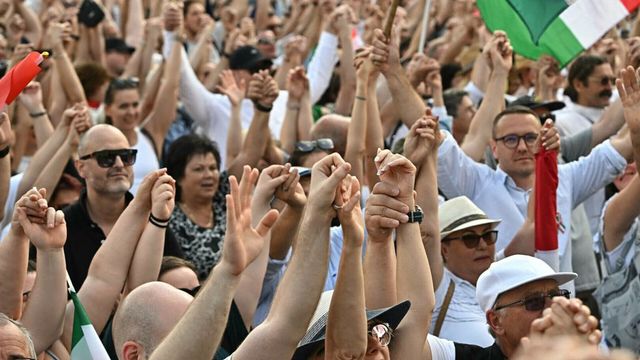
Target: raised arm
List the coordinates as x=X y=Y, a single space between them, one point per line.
x=292 y=194
x=44 y=314
x=344 y=102
x=198 y=334
x=110 y=266
x=33 y=28
x=31 y=99
x=6 y=138
x=500 y=59
x=134 y=27
x=346 y=336
x=374 y=139
x=63 y=65
x=294 y=51
x=297 y=86
x=235 y=92
x=298 y=293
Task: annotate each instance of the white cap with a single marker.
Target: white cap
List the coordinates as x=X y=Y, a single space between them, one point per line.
x=512 y=272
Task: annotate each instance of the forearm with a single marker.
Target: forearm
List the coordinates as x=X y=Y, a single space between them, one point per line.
x=427 y=198
x=254 y=144
x=32 y=24
x=68 y=76
x=44 y=314
x=408 y=103
x=355 y=149
x=5 y=177
x=134 y=29
x=212 y=80
x=50 y=175
x=145 y=265
x=346 y=337
x=42 y=127
x=348 y=82
x=151 y=91
x=234 y=136
x=41 y=158
x=283 y=232
x=374 y=139
x=380 y=273
x=262 y=14
x=611 y=122
x=283 y=71
x=289 y=130
x=199 y=332
x=14 y=255
x=305 y=118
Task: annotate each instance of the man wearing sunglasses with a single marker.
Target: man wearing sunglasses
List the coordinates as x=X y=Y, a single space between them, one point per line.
x=106 y=165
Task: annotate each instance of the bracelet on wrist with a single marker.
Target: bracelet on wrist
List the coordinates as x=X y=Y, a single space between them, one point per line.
x=38 y=114
x=358 y=97
x=161 y=223
x=262 y=108
x=4 y=152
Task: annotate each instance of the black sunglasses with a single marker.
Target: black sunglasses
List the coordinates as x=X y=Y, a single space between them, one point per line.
x=310 y=145
x=193 y=292
x=106 y=158
x=536 y=302
x=471 y=241
x=606 y=80
x=512 y=140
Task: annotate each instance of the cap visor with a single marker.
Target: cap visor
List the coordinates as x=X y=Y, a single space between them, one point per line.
x=551 y=105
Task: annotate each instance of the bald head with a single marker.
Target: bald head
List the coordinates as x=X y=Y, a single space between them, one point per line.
x=98 y=135
x=146 y=316
x=334 y=127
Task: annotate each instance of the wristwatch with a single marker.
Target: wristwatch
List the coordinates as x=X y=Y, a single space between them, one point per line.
x=416 y=215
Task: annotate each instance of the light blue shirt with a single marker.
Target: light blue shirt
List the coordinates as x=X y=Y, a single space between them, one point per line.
x=499 y=197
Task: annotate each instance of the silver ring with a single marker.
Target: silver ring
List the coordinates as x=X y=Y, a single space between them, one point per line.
x=337 y=207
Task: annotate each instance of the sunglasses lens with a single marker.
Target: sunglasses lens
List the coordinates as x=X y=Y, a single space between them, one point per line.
x=471 y=241
x=105 y=159
x=490 y=237
x=535 y=303
x=128 y=157
x=325 y=144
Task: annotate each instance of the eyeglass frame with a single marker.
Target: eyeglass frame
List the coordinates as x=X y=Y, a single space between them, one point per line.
x=116 y=153
x=307 y=146
x=476 y=240
x=387 y=330
x=604 y=80
x=549 y=295
x=519 y=137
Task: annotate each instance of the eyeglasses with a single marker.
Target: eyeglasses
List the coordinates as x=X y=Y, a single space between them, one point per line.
x=471 y=241
x=381 y=332
x=193 y=292
x=310 y=145
x=605 y=80
x=511 y=141
x=536 y=302
x=106 y=158
x=20 y=357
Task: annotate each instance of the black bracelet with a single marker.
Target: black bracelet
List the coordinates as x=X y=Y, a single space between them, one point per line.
x=262 y=108
x=161 y=223
x=4 y=152
x=38 y=114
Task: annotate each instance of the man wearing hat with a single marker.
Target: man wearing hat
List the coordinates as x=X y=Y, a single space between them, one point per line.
x=513 y=293
x=117 y=54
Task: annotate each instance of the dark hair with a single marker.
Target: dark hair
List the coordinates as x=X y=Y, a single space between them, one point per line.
x=187 y=5
x=171 y=262
x=92 y=76
x=119 y=84
x=448 y=72
x=580 y=70
x=183 y=149
x=31 y=266
x=510 y=111
x=452 y=99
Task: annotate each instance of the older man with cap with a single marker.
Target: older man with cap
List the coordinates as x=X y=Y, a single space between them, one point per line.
x=513 y=293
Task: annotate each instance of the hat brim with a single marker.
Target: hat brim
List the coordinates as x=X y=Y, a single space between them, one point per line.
x=469 y=225
x=392 y=315
x=551 y=106
x=561 y=278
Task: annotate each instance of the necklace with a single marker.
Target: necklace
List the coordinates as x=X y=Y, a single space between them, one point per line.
x=197 y=218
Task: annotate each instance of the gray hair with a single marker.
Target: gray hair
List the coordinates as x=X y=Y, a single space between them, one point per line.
x=5 y=321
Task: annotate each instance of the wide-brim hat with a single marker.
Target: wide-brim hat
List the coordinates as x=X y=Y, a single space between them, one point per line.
x=317 y=331
x=461 y=213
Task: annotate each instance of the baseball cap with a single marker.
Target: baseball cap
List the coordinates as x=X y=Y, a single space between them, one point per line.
x=248 y=58
x=512 y=272
x=531 y=103
x=461 y=213
x=118 y=45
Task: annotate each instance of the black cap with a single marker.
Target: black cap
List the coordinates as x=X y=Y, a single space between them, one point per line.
x=531 y=103
x=248 y=58
x=118 y=45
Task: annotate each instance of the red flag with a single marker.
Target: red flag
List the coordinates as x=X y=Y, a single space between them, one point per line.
x=546 y=206
x=19 y=76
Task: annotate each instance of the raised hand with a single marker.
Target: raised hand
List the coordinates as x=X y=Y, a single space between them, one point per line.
x=297 y=83
x=363 y=64
x=500 y=53
x=397 y=169
x=347 y=204
x=291 y=192
x=295 y=49
x=56 y=33
x=143 y=198
x=7 y=135
x=567 y=317
x=263 y=89
x=386 y=53
x=228 y=86
x=172 y=16
x=549 y=137
x=423 y=139
x=326 y=175
x=242 y=242
x=163 y=197
x=43 y=225
x=31 y=97
x=383 y=212
x=269 y=181
x=629 y=90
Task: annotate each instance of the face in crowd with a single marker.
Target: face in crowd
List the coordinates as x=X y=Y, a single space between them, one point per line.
x=514 y=143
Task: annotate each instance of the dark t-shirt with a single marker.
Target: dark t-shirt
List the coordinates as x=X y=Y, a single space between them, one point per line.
x=475 y=352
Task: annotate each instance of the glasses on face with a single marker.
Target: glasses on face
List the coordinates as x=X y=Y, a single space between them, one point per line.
x=193 y=292
x=536 y=302
x=106 y=158
x=310 y=145
x=511 y=141
x=471 y=241
x=381 y=332
x=20 y=357
x=605 y=80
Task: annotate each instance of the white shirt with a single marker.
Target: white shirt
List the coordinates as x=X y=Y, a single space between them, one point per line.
x=441 y=349
x=500 y=198
x=632 y=235
x=146 y=160
x=465 y=321
x=212 y=112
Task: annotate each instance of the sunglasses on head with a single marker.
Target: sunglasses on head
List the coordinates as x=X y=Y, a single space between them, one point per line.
x=471 y=240
x=310 y=145
x=511 y=141
x=106 y=158
x=381 y=332
x=536 y=302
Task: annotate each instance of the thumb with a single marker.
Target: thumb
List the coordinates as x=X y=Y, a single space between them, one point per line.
x=338 y=175
x=267 y=222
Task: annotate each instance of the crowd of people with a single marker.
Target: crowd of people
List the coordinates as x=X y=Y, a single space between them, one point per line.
x=281 y=179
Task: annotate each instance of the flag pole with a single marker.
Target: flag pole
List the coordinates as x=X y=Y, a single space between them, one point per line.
x=392 y=14
x=425 y=25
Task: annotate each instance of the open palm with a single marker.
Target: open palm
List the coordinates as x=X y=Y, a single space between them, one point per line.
x=629 y=89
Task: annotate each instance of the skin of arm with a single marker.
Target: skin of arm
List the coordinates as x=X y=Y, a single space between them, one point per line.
x=346 y=336
x=293 y=52
x=44 y=314
x=262 y=14
x=14 y=255
x=610 y=123
x=344 y=102
x=110 y=266
x=147 y=258
x=373 y=139
x=6 y=138
x=235 y=92
x=298 y=293
x=33 y=27
x=152 y=87
x=201 y=54
x=292 y=194
x=31 y=99
x=355 y=148
x=477 y=139
x=198 y=334
x=134 y=29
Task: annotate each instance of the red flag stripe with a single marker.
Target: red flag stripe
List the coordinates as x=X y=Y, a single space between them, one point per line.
x=630 y=4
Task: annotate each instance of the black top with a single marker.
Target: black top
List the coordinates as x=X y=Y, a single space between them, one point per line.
x=466 y=351
x=84 y=238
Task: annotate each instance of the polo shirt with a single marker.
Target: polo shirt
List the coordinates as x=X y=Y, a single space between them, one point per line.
x=84 y=238
x=442 y=349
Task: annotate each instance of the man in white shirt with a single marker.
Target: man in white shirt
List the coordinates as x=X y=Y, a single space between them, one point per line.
x=504 y=193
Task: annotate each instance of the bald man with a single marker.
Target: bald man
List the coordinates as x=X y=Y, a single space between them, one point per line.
x=334 y=127
x=106 y=165
x=15 y=341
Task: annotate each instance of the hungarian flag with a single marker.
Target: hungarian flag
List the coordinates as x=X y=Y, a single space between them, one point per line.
x=560 y=28
x=85 y=343
x=546 y=220
x=18 y=77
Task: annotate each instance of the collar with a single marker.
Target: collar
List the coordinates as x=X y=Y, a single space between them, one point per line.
x=458 y=280
x=507 y=180
x=128 y=196
x=590 y=113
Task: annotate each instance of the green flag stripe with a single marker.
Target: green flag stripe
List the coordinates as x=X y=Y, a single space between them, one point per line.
x=538 y=15
x=561 y=42
x=79 y=318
